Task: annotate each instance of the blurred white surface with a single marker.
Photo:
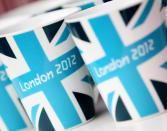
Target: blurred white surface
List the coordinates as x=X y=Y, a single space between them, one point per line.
x=157 y=123
x=104 y=122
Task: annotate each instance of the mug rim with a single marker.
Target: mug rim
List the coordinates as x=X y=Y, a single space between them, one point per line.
x=9 y=21
x=101 y=9
x=43 y=19
x=44 y=6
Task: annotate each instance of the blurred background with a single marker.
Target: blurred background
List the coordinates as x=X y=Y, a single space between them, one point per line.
x=7 y=5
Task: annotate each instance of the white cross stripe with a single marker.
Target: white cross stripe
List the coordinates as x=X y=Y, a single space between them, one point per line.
x=50 y=49
x=115 y=84
x=152 y=70
x=3 y=127
x=92 y=49
x=39 y=98
x=84 y=88
x=15 y=67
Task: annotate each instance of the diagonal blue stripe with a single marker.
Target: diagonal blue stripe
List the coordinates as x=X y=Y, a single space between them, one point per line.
x=87 y=79
x=34 y=111
x=109 y=101
x=64 y=36
x=145 y=13
x=164 y=65
x=86 y=6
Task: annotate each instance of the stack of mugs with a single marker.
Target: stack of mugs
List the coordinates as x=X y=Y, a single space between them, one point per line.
x=51 y=50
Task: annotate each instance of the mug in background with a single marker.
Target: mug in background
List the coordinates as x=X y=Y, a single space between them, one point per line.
x=48 y=72
x=12 y=114
x=123 y=44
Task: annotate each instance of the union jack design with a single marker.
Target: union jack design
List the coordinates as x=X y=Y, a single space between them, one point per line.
x=48 y=54
x=12 y=115
x=137 y=87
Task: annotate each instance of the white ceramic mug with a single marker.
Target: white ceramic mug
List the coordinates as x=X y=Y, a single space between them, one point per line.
x=123 y=44
x=48 y=72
